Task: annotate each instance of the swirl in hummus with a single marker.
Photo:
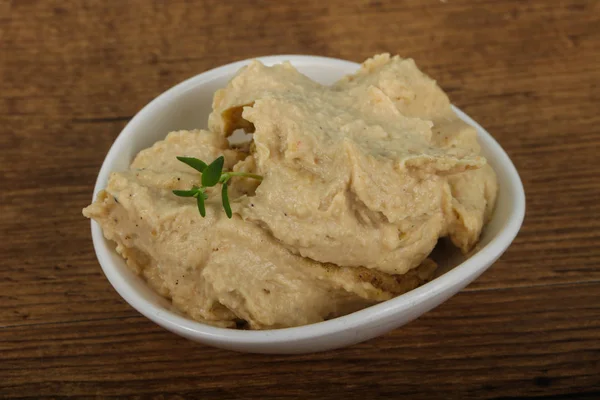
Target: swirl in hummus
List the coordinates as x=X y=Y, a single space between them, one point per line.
x=360 y=180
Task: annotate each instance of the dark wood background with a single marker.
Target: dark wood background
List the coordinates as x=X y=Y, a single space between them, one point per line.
x=72 y=73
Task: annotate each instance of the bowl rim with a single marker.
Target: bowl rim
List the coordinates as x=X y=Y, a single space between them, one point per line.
x=386 y=309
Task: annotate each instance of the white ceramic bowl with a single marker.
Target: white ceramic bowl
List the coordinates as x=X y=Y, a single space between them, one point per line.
x=187 y=106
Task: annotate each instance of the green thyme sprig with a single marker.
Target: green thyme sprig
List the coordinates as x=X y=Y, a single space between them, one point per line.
x=212 y=174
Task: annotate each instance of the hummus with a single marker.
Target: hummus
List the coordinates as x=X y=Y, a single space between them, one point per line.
x=360 y=180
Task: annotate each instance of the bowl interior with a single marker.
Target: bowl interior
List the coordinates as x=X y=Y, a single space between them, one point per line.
x=187 y=106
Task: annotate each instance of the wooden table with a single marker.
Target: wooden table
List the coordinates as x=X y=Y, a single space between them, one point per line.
x=72 y=73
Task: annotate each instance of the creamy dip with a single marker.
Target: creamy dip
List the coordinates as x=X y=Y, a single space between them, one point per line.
x=360 y=181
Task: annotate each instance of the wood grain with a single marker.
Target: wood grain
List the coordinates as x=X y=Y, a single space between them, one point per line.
x=72 y=73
